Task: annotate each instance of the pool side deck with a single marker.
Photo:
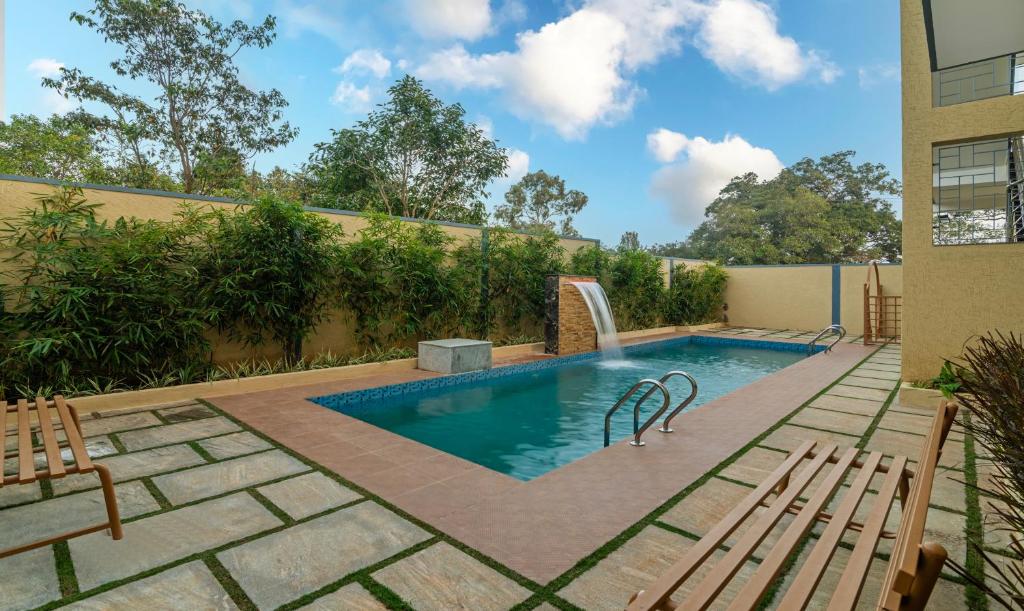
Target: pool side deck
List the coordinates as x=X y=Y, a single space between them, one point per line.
x=539 y=528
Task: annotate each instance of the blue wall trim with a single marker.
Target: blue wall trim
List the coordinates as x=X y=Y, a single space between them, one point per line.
x=836 y=297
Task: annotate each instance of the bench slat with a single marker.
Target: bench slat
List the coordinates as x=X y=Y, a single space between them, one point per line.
x=26 y=463
x=806 y=581
x=775 y=560
x=715 y=581
x=74 y=438
x=8 y=432
x=664 y=586
x=53 y=458
x=856 y=571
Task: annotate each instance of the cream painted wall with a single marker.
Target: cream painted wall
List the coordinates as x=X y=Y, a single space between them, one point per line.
x=951 y=293
x=783 y=297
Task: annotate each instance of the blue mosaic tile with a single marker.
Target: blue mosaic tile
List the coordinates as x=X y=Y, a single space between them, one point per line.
x=340 y=400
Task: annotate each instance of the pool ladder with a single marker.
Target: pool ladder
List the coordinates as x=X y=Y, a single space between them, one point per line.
x=655 y=385
x=838 y=330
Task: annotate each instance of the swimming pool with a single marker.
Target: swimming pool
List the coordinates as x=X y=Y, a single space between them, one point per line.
x=526 y=420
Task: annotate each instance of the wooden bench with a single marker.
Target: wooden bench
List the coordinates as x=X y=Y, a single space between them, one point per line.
x=53 y=466
x=913 y=567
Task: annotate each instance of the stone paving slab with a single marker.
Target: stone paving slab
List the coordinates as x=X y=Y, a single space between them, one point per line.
x=210 y=480
x=857 y=392
x=96 y=447
x=16 y=494
x=867 y=382
x=441 y=577
x=754 y=466
x=635 y=565
x=789 y=437
x=886 y=367
x=28 y=523
x=848 y=405
x=234 y=444
x=849 y=424
x=184 y=413
x=130 y=466
x=166 y=537
x=291 y=563
x=307 y=495
x=895 y=443
x=350 y=598
x=182 y=588
x=697 y=512
x=865 y=372
x=176 y=433
x=116 y=424
x=29 y=580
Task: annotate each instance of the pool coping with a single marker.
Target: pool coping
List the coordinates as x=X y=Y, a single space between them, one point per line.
x=539 y=527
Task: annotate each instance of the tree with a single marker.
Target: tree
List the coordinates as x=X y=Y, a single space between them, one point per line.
x=59 y=148
x=413 y=157
x=539 y=201
x=630 y=240
x=824 y=211
x=202 y=114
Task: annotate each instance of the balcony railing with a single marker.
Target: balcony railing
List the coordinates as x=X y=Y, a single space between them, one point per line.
x=988 y=78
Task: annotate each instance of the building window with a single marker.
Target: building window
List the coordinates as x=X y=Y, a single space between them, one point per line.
x=977 y=192
x=988 y=78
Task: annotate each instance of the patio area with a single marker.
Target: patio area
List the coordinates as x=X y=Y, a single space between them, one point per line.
x=223 y=511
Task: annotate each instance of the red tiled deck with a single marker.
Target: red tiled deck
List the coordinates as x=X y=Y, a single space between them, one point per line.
x=539 y=528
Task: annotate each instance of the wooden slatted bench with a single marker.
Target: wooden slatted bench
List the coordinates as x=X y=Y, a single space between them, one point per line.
x=913 y=568
x=45 y=430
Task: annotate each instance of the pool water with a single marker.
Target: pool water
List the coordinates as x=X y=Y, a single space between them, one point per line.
x=526 y=424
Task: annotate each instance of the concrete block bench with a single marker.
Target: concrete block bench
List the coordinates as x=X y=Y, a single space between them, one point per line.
x=454 y=355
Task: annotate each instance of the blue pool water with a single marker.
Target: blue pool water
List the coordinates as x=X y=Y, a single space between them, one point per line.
x=526 y=420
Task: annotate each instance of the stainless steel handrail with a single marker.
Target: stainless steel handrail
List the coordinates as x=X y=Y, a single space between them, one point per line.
x=665 y=428
x=637 y=431
x=839 y=330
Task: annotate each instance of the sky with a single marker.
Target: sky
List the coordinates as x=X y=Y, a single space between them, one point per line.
x=647 y=106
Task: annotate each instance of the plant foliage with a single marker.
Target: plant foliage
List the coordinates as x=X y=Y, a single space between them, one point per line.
x=517 y=266
x=696 y=295
x=112 y=303
x=635 y=289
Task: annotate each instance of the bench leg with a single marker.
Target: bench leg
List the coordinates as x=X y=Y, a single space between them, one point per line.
x=110 y=500
x=933 y=557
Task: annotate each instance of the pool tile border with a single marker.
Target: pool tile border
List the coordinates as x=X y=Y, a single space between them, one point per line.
x=340 y=400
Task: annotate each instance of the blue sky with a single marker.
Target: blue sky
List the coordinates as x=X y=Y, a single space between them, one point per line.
x=648 y=106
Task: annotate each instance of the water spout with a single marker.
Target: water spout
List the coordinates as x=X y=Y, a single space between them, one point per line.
x=604 y=322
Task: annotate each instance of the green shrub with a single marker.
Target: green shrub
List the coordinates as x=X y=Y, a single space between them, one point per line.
x=269 y=271
x=635 y=287
x=516 y=269
x=114 y=304
x=592 y=261
x=398 y=283
x=696 y=295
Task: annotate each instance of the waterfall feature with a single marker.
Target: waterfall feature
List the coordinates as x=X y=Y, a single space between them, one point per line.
x=601 y=314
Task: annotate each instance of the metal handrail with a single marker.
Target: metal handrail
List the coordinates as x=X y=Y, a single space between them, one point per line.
x=839 y=330
x=636 y=410
x=665 y=428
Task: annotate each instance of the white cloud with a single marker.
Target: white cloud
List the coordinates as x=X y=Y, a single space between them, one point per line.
x=869 y=77
x=518 y=166
x=298 y=19
x=55 y=103
x=44 y=67
x=567 y=74
x=578 y=72
x=691 y=184
x=666 y=144
x=463 y=19
x=365 y=61
x=486 y=125
x=351 y=98
x=741 y=37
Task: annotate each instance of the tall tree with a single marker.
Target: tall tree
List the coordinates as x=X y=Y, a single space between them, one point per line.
x=59 y=147
x=414 y=156
x=201 y=113
x=630 y=240
x=816 y=211
x=540 y=201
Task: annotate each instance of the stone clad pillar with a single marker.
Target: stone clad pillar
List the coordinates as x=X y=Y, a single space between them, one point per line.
x=568 y=326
